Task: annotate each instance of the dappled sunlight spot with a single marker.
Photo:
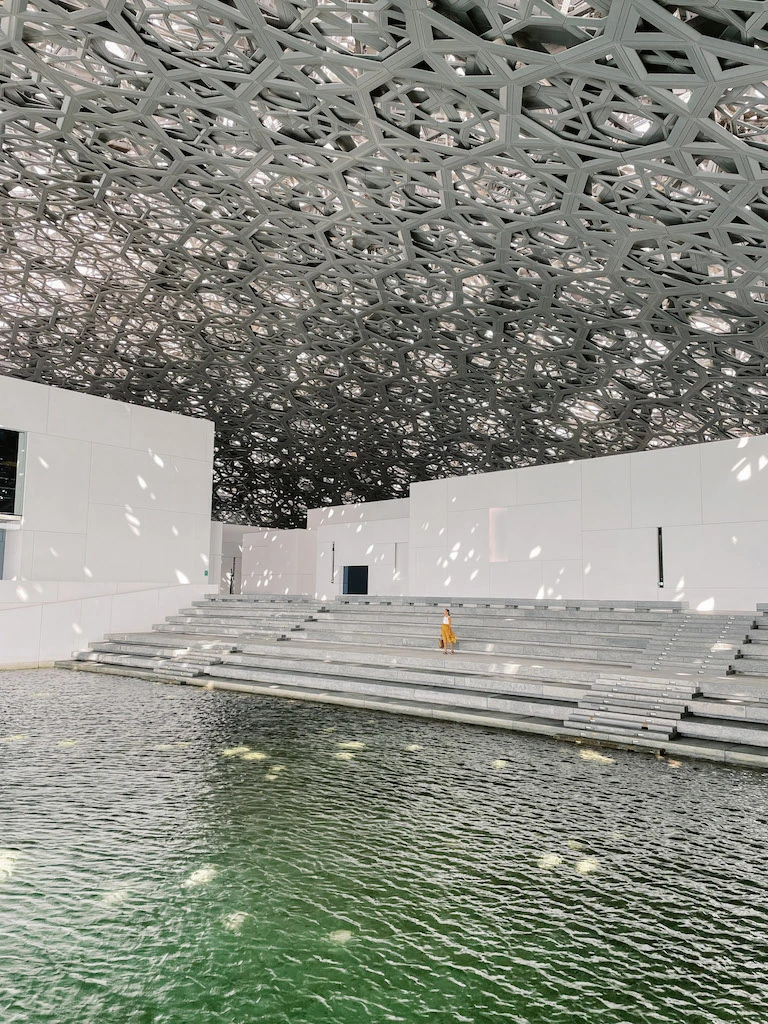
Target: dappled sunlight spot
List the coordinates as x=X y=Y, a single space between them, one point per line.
x=271 y=776
x=413 y=746
x=234 y=922
x=115 y=896
x=181 y=577
x=344 y=755
x=350 y=744
x=594 y=755
x=331 y=728
x=674 y=764
x=706 y=606
x=341 y=936
x=8 y=861
x=574 y=844
x=200 y=877
x=255 y=755
x=44 y=693
x=587 y=865
x=67 y=743
x=535 y=552
x=499 y=764
x=16 y=738
x=549 y=860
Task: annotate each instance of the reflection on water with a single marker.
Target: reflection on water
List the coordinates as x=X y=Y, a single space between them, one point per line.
x=152 y=871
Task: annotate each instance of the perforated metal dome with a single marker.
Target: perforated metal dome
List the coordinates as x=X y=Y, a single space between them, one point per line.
x=379 y=242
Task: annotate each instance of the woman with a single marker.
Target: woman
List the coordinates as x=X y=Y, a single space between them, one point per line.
x=447 y=636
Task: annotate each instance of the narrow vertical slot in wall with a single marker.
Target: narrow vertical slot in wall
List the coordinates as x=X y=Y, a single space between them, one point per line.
x=660 y=543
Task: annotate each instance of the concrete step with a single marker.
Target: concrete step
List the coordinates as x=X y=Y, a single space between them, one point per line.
x=527 y=602
x=132 y=661
x=147 y=650
x=608 y=730
x=456 y=696
x=423 y=675
x=619 y=703
x=361 y=677
x=644 y=691
x=585 y=619
x=394 y=658
x=607 y=721
x=594 y=654
x=466 y=633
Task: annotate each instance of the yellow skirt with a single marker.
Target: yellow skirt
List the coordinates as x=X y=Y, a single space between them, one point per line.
x=447 y=635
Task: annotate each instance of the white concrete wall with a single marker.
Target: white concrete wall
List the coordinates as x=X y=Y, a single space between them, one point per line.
x=112 y=492
x=579 y=529
x=45 y=622
x=589 y=528
x=374 y=534
x=278 y=562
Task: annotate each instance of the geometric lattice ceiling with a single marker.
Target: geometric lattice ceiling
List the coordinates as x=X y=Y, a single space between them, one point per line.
x=386 y=241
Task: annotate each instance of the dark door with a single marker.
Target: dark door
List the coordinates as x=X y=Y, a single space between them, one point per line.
x=355 y=579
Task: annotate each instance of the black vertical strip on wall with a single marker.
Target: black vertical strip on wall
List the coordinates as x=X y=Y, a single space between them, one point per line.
x=660 y=541
x=333 y=562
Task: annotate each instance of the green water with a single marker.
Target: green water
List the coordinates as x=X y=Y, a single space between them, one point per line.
x=147 y=878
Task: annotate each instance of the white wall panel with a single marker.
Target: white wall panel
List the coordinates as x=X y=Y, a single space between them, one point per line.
x=718 y=555
x=58 y=556
x=23 y=405
x=359 y=512
x=83 y=417
x=606 y=497
x=57 y=484
x=114 y=544
x=144 y=480
x=539 y=484
x=169 y=434
x=561 y=578
x=481 y=490
x=428 y=513
x=734 y=480
x=666 y=486
x=515 y=579
x=621 y=564
x=547 y=531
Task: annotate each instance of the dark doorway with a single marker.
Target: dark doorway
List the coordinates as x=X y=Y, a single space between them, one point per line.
x=9 y=466
x=355 y=579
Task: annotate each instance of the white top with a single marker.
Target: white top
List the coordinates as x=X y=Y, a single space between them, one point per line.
x=446 y=620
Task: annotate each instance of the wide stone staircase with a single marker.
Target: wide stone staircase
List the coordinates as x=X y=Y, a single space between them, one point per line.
x=634 y=673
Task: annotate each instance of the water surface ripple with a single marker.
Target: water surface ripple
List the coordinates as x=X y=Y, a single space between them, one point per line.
x=366 y=868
